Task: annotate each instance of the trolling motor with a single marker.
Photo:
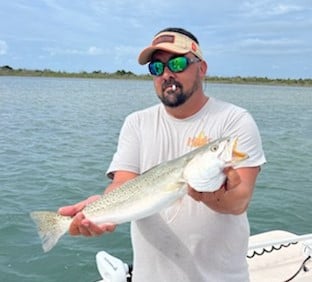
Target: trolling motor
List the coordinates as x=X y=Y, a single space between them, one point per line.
x=112 y=269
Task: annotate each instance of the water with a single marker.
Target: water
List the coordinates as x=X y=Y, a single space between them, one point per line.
x=58 y=136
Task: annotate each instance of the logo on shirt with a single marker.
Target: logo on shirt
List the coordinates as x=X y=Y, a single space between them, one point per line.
x=198 y=141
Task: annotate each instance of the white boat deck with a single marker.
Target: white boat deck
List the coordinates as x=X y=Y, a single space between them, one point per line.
x=274 y=256
x=280 y=256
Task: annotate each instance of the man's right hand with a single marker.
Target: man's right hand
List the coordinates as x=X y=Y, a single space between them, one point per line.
x=80 y=224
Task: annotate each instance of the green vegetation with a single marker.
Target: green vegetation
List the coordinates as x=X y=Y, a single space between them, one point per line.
x=261 y=80
x=122 y=74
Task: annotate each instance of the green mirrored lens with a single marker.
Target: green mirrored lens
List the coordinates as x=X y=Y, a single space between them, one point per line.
x=156 y=68
x=177 y=64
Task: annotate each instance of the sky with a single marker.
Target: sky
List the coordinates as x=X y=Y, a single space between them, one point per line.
x=262 y=38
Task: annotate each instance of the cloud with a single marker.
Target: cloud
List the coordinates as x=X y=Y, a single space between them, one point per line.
x=281 y=9
x=94 y=51
x=269 y=8
x=91 y=51
x=60 y=51
x=259 y=46
x=271 y=46
x=3 y=47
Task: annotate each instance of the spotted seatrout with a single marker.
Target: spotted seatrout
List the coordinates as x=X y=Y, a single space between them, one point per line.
x=151 y=192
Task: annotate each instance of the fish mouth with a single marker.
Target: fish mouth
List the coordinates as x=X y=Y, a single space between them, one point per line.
x=237 y=156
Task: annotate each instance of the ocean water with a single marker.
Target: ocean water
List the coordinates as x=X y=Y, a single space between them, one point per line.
x=58 y=136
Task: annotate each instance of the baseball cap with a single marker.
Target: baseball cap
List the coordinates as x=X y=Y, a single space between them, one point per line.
x=170 y=41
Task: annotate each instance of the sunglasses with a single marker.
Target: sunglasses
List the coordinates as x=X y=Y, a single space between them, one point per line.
x=176 y=64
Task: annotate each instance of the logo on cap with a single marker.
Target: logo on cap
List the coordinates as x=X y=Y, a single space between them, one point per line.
x=163 y=38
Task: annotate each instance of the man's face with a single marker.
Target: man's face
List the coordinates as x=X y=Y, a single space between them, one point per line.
x=175 y=88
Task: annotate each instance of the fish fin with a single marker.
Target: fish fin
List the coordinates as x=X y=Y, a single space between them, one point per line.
x=171 y=212
x=51 y=226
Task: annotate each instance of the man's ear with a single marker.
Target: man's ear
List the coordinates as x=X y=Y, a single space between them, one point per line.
x=203 y=69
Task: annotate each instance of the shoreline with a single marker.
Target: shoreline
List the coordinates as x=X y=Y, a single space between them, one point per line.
x=121 y=74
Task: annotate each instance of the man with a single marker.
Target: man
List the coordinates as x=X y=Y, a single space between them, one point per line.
x=208 y=238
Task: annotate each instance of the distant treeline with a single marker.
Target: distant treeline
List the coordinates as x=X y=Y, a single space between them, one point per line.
x=122 y=74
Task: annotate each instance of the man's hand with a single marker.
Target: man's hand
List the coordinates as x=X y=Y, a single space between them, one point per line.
x=81 y=225
x=232 y=178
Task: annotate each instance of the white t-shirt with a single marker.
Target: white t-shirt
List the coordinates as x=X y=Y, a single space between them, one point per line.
x=199 y=244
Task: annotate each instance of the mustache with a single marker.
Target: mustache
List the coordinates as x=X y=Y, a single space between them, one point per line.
x=168 y=83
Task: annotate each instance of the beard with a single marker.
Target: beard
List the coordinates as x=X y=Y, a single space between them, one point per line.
x=174 y=100
x=177 y=97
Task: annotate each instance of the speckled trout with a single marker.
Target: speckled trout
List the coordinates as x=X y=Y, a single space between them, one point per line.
x=151 y=192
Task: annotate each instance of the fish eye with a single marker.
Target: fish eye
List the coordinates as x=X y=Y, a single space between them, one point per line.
x=214 y=148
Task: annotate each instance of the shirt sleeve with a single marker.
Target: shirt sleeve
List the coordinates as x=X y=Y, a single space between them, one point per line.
x=127 y=155
x=245 y=128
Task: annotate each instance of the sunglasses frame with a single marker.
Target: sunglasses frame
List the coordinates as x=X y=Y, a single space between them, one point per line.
x=188 y=61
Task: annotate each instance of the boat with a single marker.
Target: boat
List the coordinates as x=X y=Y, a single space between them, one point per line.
x=274 y=256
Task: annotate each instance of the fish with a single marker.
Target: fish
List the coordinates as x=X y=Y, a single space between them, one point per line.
x=157 y=189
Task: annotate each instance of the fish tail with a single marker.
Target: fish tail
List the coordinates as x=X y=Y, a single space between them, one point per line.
x=51 y=226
